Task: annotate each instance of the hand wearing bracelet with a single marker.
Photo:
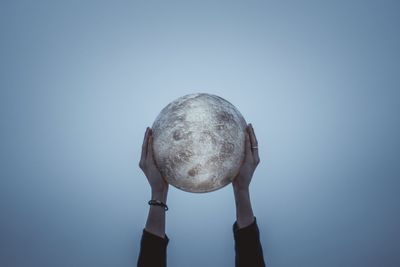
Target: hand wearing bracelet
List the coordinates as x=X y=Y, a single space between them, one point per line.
x=155 y=223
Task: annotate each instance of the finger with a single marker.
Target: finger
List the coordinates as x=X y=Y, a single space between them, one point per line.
x=150 y=145
x=248 y=152
x=253 y=138
x=254 y=144
x=150 y=151
x=144 y=146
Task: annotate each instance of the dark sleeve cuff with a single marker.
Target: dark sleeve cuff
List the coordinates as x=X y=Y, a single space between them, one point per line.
x=251 y=228
x=248 y=247
x=153 y=250
x=152 y=238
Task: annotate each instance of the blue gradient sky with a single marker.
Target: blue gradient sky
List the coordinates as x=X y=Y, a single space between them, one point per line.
x=81 y=80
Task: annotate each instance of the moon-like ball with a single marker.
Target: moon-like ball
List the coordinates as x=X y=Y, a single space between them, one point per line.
x=199 y=142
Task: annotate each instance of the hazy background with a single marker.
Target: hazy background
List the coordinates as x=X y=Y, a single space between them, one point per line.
x=80 y=81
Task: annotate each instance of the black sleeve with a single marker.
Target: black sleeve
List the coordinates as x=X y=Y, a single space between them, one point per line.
x=153 y=250
x=248 y=247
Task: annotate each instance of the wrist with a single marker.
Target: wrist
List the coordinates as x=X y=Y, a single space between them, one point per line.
x=244 y=189
x=244 y=211
x=241 y=195
x=160 y=195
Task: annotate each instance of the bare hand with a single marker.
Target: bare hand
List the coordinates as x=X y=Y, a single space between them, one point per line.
x=251 y=160
x=148 y=165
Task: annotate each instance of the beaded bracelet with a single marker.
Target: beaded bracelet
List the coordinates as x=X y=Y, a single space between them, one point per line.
x=158 y=203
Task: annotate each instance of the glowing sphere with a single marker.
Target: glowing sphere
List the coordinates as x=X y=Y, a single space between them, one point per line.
x=198 y=142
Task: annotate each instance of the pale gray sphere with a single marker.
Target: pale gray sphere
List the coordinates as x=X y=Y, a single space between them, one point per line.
x=199 y=142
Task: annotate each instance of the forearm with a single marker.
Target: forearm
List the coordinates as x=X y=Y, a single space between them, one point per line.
x=248 y=249
x=244 y=211
x=155 y=223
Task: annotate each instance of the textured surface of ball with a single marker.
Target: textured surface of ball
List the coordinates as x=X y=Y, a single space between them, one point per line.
x=198 y=142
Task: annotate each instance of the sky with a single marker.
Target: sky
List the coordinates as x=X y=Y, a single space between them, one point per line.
x=81 y=80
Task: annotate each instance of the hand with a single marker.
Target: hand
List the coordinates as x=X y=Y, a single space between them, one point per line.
x=251 y=160
x=241 y=183
x=159 y=186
